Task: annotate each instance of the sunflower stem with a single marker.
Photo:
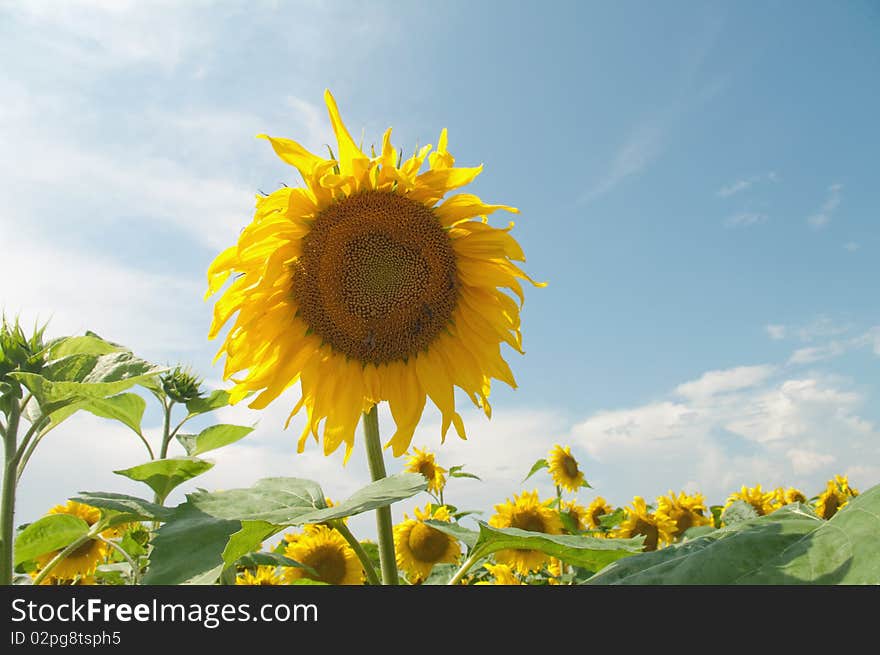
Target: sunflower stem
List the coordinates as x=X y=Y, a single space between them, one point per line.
x=385 y=531
x=468 y=563
x=369 y=570
x=7 y=500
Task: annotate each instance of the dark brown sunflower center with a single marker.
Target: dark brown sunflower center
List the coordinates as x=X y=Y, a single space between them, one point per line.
x=831 y=506
x=427 y=470
x=652 y=535
x=684 y=521
x=426 y=543
x=328 y=562
x=597 y=514
x=528 y=521
x=84 y=550
x=377 y=277
x=570 y=466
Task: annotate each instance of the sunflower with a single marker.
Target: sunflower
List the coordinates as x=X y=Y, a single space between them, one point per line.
x=836 y=495
x=788 y=496
x=261 y=576
x=423 y=462
x=656 y=527
x=686 y=511
x=597 y=509
x=578 y=514
x=526 y=512
x=502 y=574
x=762 y=501
x=564 y=469
x=326 y=552
x=419 y=547
x=83 y=561
x=363 y=288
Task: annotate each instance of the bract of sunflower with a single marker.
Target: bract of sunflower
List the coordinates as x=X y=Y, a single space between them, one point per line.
x=369 y=283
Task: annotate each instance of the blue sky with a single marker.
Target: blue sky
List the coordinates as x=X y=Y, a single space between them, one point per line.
x=697 y=184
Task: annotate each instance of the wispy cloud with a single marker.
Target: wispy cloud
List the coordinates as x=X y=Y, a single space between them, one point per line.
x=746 y=183
x=826 y=212
x=851 y=246
x=745 y=219
x=642 y=146
x=776 y=332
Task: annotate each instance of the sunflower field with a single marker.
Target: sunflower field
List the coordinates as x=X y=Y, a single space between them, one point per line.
x=376 y=281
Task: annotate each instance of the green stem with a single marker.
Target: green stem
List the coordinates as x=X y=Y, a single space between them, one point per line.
x=7 y=496
x=369 y=570
x=468 y=563
x=72 y=546
x=135 y=569
x=383 y=514
x=166 y=434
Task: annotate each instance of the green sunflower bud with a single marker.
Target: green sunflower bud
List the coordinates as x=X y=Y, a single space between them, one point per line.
x=18 y=353
x=180 y=385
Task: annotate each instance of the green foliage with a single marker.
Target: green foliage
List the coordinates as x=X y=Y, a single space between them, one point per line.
x=790 y=546
x=163 y=475
x=52 y=532
x=130 y=508
x=212 y=438
x=537 y=466
x=737 y=512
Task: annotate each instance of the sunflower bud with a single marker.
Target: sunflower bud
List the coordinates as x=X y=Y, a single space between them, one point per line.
x=180 y=385
x=18 y=353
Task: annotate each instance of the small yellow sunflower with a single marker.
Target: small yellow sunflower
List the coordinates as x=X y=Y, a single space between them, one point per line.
x=657 y=528
x=502 y=574
x=788 y=496
x=526 y=512
x=686 y=511
x=578 y=514
x=83 y=561
x=363 y=288
x=419 y=547
x=596 y=510
x=328 y=553
x=762 y=501
x=261 y=576
x=564 y=469
x=836 y=495
x=423 y=462
x=555 y=569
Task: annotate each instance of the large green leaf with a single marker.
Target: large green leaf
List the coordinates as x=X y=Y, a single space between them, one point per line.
x=88 y=344
x=214 y=400
x=127 y=408
x=294 y=501
x=790 y=546
x=163 y=475
x=137 y=508
x=589 y=552
x=52 y=532
x=248 y=539
x=212 y=438
x=188 y=549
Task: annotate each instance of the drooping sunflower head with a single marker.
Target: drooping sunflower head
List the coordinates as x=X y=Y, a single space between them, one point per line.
x=564 y=469
x=419 y=546
x=82 y=562
x=836 y=495
x=260 y=576
x=657 y=528
x=363 y=286
x=525 y=512
x=596 y=510
x=422 y=461
x=764 y=502
x=328 y=554
x=685 y=511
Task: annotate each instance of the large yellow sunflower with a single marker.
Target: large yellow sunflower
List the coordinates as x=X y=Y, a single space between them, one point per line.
x=836 y=495
x=328 y=554
x=686 y=511
x=526 y=512
x=364 y=287
x=83 y=561
x=423 y=462
x=419 y=547
x=656 y=527
x=564 y=469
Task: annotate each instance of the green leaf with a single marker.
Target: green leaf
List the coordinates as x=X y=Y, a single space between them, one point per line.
x=593 y=553
x=537 y=466
x=163 y=475
x=461 y=474
x=248 y=539
x=790 y=546
x=294 y=501
x=127 y=408
x=214 y=400
x=441 y=574
x=89 y=344
x=465 y=536
x=188 y=549
x=213 y=437
x=264 y=558
x=612 y=519
x=738 y=512
x=52 y=532
x=137 y=508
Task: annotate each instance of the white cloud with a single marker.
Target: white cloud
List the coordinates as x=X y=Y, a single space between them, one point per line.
x=641 y=147
x=807 y=461
x=733 y=379
x=745 y=219
x=816 y=353
x=776 y=332
x=826 y=212
x=851 y=246
x=743 y=184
